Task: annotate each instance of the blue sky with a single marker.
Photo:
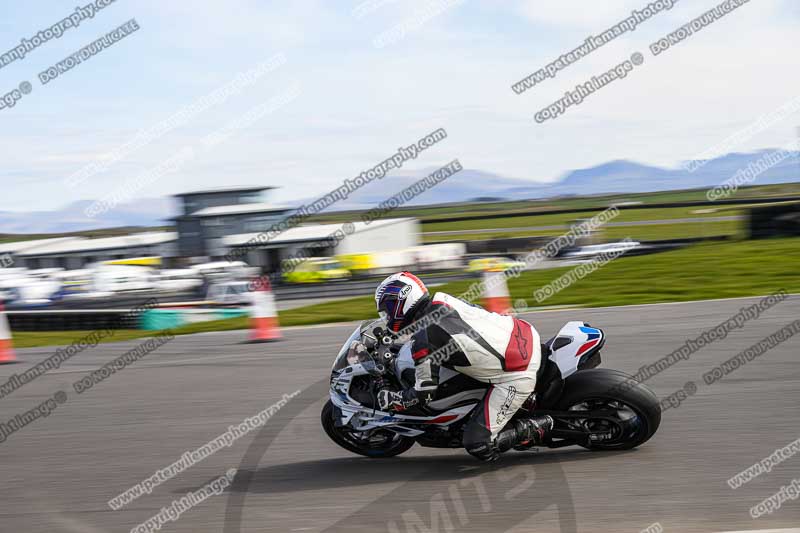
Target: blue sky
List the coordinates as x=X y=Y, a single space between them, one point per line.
x=357 y=103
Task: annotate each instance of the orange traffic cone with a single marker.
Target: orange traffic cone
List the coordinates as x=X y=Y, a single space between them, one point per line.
x=6 y=348
x=263 y=313
x=495 y=292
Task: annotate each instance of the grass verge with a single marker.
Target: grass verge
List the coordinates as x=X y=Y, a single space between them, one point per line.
x=628 y=215
x=699 y=272
x=658 y=232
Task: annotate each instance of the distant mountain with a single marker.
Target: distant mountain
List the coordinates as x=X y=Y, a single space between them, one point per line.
x=460 y=187
x=612 y=177
x=629 y=177
x=144 y=212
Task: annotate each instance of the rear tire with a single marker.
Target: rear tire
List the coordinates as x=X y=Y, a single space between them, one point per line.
x=343 y=438
x=612 y=385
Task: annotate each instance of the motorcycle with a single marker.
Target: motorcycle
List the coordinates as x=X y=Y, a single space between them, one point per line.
x=596 y=408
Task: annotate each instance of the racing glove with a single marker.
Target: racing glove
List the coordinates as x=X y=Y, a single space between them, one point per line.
x=396 y=401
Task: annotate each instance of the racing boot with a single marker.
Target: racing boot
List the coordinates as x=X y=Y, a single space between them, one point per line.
x=525 y=433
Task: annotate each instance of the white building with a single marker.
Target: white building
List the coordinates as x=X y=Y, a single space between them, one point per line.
x=213 y=223
x=76 y=252
x=380 y=237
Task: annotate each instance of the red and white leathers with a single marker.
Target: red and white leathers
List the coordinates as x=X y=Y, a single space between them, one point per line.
x=497 y=349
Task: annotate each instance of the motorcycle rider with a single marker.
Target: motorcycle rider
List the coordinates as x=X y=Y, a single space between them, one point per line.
x=497 y=349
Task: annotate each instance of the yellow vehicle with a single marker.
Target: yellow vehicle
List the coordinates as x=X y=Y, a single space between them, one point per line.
x=358 y=263
x=153 y=261
x=316 y=270
x=495 y=264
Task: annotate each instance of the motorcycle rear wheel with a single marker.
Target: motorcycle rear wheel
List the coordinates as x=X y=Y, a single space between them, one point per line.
x=380 y=444
x=602 y=388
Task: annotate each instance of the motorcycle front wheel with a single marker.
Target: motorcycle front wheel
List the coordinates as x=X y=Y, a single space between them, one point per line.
x=376 y=443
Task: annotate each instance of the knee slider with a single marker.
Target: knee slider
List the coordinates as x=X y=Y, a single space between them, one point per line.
x=484 y=451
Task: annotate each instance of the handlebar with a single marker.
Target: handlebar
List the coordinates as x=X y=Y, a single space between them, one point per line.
x=383 y=347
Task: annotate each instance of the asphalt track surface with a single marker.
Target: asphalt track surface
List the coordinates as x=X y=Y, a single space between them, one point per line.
x=59 y=472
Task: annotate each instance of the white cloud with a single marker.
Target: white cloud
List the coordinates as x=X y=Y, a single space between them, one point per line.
x=358 y=104
x=579 y=14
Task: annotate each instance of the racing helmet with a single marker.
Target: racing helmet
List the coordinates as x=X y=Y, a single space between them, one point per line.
x=399 y=297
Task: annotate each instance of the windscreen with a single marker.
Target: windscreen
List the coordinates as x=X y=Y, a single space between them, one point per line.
x=341 y=360
x=349 y=354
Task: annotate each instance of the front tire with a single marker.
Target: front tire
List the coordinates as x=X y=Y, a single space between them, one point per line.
x=604 y=388
x=387 y=444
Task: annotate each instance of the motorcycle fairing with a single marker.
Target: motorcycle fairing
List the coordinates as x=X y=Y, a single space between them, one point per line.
x=575 y=343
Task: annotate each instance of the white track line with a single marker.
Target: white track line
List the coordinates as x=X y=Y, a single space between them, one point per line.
x=560 y=310
x=652 y=305
x=790 y=530
x=567 y=308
